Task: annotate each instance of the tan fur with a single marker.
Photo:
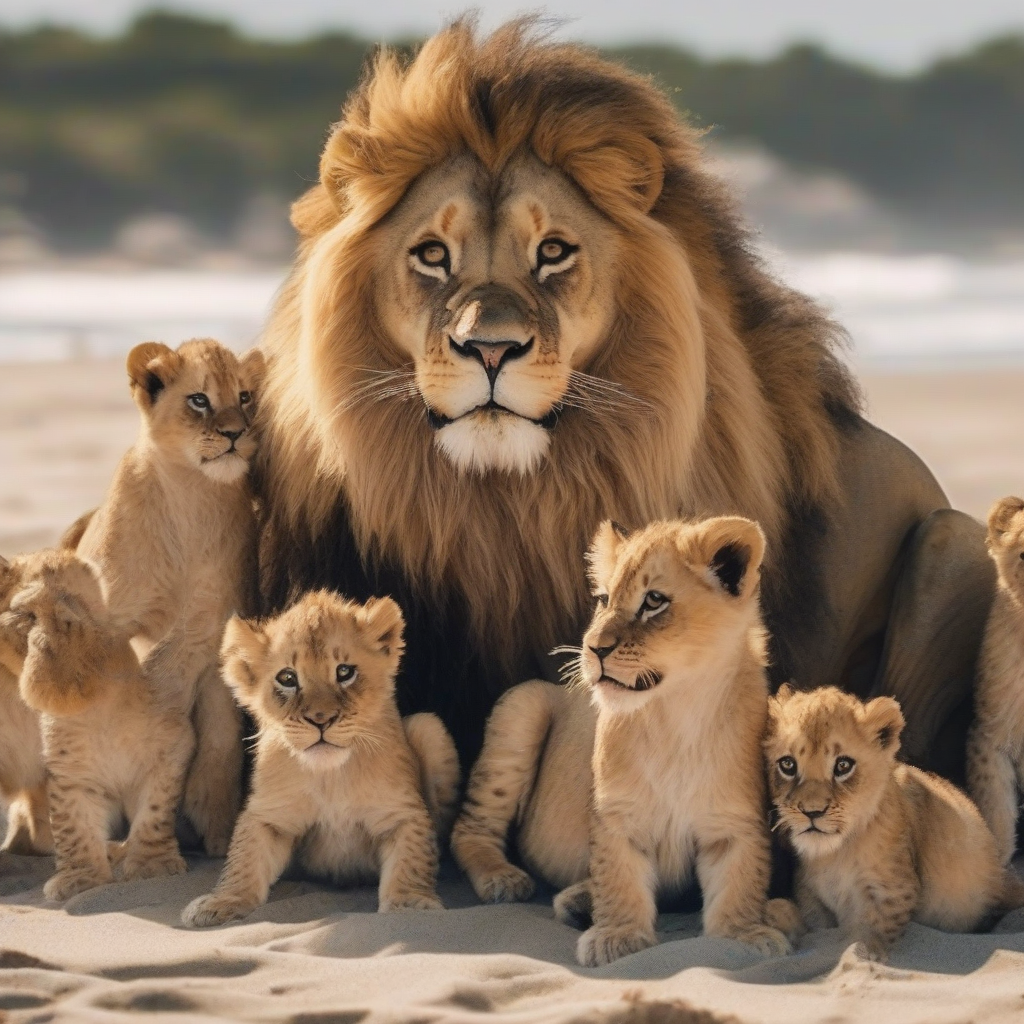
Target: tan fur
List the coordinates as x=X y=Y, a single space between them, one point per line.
x=688 y=381
x=22 y=769
x=339 y=783
x=673 y=789
x=995 y=748
x=113 y=743
x=893 y=843
x=174 y=543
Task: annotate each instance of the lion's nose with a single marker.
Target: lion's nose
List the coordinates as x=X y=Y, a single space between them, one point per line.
x=492 y=355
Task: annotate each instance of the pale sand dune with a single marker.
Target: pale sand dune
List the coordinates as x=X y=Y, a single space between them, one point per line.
x=317 y=954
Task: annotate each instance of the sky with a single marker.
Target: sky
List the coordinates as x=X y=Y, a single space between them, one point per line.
x=899 y=35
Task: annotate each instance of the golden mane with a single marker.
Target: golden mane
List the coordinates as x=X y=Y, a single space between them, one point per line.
x=742 y=393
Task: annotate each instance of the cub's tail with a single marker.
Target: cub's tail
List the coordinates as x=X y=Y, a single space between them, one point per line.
x=439 y=769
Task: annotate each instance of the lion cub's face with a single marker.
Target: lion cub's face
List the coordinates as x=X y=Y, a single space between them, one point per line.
x=320 y=675
x=829 y=759
x=198 y=403
x=676 y=602
x=496 y=287
x=1006 y=542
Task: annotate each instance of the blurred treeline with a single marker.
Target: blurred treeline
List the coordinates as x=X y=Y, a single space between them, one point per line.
x=185 y=116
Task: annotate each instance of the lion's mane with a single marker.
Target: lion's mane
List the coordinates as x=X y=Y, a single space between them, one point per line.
x=743 y=396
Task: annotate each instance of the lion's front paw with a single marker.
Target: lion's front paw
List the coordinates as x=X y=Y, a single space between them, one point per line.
x=509 y=885
x=766 y=940
x=574 y=906
x=786 y=916
x=135 y=865
x=410 y=901
x=65 y=884
x=598 y=946
x=210 y=910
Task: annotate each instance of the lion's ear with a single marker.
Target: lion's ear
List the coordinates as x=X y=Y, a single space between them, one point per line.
x=384 y=624
x=731 y=550
x=314 y=212
x=151 y=367
x=1001 y=515
x=604 y=551
x=883 y=718
x=242 y=649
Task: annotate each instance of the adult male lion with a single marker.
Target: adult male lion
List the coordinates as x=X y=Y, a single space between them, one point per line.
x=521 y=307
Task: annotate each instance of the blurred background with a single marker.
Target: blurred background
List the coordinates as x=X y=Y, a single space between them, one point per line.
x=148 y=157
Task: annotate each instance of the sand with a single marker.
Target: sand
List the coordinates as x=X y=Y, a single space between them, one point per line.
x=316 y=955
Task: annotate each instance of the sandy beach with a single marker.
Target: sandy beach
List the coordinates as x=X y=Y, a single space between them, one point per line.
x=64 y=425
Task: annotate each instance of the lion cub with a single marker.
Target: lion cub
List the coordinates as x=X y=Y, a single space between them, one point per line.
x=112 y=742
x=341 y=782
x=22 y=769
x=675 y=662
x=879 y=842
x=995 y=749
x=174 y=541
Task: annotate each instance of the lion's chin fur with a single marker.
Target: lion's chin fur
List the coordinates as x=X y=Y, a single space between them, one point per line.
x=486 y=441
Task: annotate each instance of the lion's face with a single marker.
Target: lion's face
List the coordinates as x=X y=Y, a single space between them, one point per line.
x=497 y=288
x=320 y=675
x=676 y=604
x=829 y=759
x=198 y=403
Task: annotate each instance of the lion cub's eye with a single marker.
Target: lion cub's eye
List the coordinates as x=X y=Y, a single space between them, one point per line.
x=244 y=397
x=653 y=604
x=787 y=766
x=345 y=674
x=844 y=765
x=198 y=401
x=433 y=258
x=288 y=678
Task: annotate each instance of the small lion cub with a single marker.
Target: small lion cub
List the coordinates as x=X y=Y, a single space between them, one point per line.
x=112 y=743
x=675 y=662
x=995 y=749
x=341 y=782
x=879 y=842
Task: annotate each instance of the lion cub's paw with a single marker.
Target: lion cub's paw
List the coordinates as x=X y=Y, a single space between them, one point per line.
x=135 y=866
x=509 y=885
x=65 y=884
x=766 y=940
x=573 y=906
x=210 y=910
x=872 y=947
x=599 y=946
x=786 y=916
x=410 y=901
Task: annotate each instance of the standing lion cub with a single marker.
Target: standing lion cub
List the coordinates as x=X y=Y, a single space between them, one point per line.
x=113 y=743
x=675 y=661
x=174 y=541
x=341 y=782
x=879 y=842
x=995 y=749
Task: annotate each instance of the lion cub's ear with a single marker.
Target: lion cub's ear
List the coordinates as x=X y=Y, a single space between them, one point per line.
x=383 y=624
x=242 y=649
x=151 y=367
x=253 y=365
x=883 y=718
x=1001 y=515
x=604 y=551
x=731 y=549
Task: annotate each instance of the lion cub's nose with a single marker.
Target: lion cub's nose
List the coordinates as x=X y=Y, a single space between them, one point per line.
x=814 y=814
x=231 y=435
x=603 y=652
x=321 y=720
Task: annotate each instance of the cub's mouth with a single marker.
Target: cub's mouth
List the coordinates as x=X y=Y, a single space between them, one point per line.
x=644 y=681
x=438 y=420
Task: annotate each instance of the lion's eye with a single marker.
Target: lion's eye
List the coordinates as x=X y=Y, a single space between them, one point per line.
x=602 y=600
x=288 y=678
x=787 y=766
x=553 y=250
x=433 y=255
x=198 y=401
x=244 y=398
x=654 y=602
x=844 y=765
x=345 y=674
